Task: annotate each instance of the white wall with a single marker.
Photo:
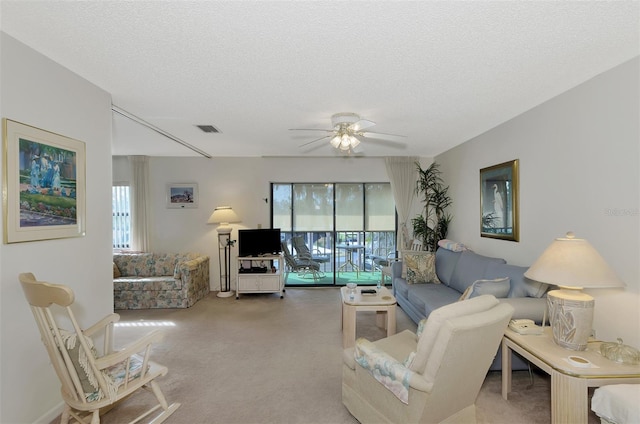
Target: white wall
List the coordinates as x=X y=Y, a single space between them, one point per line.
x=36 y=91
x=579 y=171
x=242 y=183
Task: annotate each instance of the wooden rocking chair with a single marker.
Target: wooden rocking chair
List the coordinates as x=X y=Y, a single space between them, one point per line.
x=92 y=384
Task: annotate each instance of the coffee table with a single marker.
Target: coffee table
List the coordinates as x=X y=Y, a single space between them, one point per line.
x=383 y=303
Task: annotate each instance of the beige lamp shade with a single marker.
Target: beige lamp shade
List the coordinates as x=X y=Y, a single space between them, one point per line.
x=573 y=263
x=223 y=215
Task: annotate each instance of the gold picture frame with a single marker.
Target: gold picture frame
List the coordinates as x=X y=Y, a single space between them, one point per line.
x=499 y=191
x=44 y=184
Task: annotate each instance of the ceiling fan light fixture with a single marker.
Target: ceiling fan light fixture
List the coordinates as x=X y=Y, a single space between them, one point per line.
x=347 y=128
x=345 y=142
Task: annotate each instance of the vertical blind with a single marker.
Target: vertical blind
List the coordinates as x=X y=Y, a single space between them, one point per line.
x=121 y=217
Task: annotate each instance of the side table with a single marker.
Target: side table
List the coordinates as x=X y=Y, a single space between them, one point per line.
x=569 y=384
x=383 y=303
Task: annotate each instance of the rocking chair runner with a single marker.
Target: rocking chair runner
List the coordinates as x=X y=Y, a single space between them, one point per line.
x=92 y=383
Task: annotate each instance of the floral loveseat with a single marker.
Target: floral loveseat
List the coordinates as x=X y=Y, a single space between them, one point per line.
x=159 y=280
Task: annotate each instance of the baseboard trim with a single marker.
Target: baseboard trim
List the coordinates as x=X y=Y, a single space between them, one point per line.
x=51 y=414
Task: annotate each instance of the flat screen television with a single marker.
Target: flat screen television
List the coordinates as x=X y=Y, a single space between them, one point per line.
x=260 y=242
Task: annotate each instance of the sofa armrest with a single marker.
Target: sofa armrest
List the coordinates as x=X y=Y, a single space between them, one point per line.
x=527 y=307
x=185 y=268
x=396 y=269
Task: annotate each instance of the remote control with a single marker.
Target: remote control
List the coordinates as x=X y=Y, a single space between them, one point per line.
x=368 y=291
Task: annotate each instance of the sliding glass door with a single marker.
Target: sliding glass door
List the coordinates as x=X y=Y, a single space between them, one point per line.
x=345 y=230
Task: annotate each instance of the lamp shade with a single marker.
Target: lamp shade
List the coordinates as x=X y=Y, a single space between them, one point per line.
x=573 y=263
x=223 y=215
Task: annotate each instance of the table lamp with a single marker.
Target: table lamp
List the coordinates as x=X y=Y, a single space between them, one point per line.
x=572 y=264
x=224 y=215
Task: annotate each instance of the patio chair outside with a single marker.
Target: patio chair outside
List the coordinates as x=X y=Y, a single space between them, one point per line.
x=303 y=252
x=302 y=266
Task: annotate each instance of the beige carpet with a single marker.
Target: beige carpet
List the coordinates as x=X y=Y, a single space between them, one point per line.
x=262 y=359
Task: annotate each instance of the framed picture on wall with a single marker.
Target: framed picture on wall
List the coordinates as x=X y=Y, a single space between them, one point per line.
x=44 y=184
x=182 y=195
x=499 y=201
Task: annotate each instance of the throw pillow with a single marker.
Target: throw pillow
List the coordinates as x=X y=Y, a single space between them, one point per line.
x=498 y=287
x=80 y=361
x=116 y=271
x=452 y=245
x=521 y=286
x=421 y=267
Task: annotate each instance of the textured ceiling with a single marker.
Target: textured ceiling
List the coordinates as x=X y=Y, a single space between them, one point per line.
x=439 y=73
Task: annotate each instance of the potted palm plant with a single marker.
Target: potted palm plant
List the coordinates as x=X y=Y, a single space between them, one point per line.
x=432 y=225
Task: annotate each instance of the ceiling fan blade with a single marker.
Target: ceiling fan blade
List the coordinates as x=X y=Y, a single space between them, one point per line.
x=309 y=129
x=361 y=125
x=383 y=136
x=316 y=140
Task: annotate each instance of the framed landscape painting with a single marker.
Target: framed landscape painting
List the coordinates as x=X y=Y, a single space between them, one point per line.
x=499 y=201
x=43 y=184
x=180 y=196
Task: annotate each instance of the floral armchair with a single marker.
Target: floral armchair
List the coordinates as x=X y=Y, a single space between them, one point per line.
x=433 y=376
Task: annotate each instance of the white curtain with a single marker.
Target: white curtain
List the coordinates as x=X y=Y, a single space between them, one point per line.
x=402 y=175
x=140 y=206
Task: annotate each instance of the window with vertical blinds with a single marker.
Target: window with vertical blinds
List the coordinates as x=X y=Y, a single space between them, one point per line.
x=121 y=217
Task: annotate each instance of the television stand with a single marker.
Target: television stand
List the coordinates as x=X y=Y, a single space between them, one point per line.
x=258 y=279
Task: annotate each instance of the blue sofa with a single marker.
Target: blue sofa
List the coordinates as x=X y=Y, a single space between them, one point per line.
x=457 y=271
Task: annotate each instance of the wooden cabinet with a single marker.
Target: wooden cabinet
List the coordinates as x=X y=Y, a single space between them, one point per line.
x=261 y=282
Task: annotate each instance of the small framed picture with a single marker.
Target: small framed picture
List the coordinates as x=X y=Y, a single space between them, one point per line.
x=499 y=201
x=182 y=195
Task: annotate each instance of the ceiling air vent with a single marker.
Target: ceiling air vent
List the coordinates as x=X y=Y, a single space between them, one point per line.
x=208 y=128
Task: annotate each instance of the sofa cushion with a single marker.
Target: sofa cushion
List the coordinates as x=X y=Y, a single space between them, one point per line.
x=521 y=286
x=446 y=262
x=137 y=264
x=116 y=271
x=421 y=267
x=416 y=296
x=147 y=283
x=429 y=297
x=498 y=287
x=471 y=267
x=165 y=263
x=400 y=287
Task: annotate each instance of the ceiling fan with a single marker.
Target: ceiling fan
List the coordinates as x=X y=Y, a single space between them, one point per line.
x=348 y=129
